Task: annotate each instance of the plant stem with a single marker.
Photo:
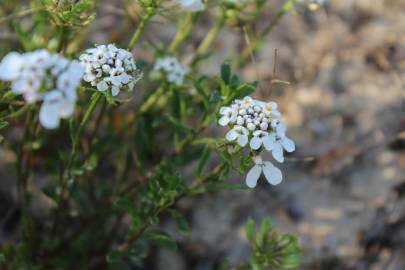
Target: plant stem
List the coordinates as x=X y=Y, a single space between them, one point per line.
x=257 y=43
x=145 y=19
x=183 y=32
x=93 y=102
x=209 y=39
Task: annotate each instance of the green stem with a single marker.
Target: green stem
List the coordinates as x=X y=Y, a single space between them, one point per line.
x=257 y=43
x=183 y=33
x=145 y=19
x=151 y=100
x=209 y=39
x=93 y=102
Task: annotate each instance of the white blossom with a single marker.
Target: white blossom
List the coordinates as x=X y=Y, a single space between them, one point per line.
x=257 y=124
x=228 y=116
x=272 y=174
x=277 y=146
x=238 y=133
x=172 y=68
x=40 y=75
x=109 y=68
x=192 y=5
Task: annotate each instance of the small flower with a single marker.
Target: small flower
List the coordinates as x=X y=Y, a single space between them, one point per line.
x=277 y=146
x=10 y=66
x=273 y=175
x=192 y=5
x=238 y=133
x=260 y=138
x=39 y=75
x=279 y=126
x=228 y=116
x=110 y=69
x=56 y=105
x=258 y=123
x=171 y=67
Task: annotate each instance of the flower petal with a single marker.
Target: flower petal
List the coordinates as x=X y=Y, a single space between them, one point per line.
x=269 y=142
x=255 y=143
x=115 y=91
x=10 y=66
x=281 y=129
x=288 y=144
x=231 y=135
x=49 y=115
x=224 y=120
x=278 y=152
x=253 y=175
x=102 y=86
x=243 y=140
x=273 y=174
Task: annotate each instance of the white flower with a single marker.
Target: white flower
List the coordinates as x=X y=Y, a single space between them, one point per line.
x=247 y=102
x=238 y=133
x=261 y=138
x=174 y=71
x=279 y=127
x=192 y=5
x=109 y=68
x=55 y=107
x=228 y=116
x=10 y=66
x=39 y=75
x=273 y=175
x=276 y=147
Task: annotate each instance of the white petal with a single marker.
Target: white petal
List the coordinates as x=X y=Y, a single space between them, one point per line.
x=243 y=140
x=269 y=142
x=224 y=110
x=67 y=108
x=272 y=173
x=48 y=115
x=224 y=120
x=116 y=80
x=10 y=66
x=231 y=135
x=278 y=152
x=102 y=86
x=115 y=91
x=281 y=129
x=288 y=144
x=255 y=143
x=253 y=175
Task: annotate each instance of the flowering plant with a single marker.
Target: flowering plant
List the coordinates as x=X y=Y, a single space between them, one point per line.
x=107 y=152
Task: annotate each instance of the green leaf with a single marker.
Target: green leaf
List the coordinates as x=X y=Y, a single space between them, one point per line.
x=181 y=221
x=250 y=229
x=226 y=72
x=3 y=123
x=114 y=256
x=265 y=227
x=162 y=239
x=2 y=258
x=203 y=160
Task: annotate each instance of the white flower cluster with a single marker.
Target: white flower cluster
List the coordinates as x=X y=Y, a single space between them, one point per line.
x=109 y=68
x=192 y=5
x=40 y=75
x=174 y=71
x=257 y=124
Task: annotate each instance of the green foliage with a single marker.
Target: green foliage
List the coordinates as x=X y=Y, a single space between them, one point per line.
x=270 y=249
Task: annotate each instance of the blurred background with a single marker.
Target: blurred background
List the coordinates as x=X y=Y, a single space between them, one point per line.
x=343 y=192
